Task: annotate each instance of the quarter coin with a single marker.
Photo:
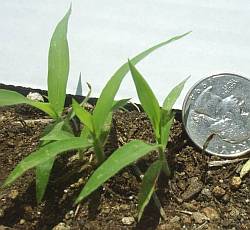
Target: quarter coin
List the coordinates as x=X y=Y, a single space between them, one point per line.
x=219 y=107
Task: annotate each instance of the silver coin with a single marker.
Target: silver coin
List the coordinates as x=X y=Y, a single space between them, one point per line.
x=219 y=106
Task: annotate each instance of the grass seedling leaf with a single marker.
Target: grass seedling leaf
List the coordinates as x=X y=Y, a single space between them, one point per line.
x=84 y=116
x=119 y=159
x=71 y=114
x=147 y=99
x=42 y=177
x=58 y=65
x=45 y=107
x=57 y=133
x=173 y=96
x=245 y=169
x=166 y=123
x=148 y=185
x=8 y=97
x=120 y=103
x=105 y=101
x=44 y=154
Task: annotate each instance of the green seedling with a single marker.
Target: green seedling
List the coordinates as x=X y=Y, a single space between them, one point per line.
x=94 y=134
x=133 y=150
x=58 y=70
x=60 y=139
x=97 y=131
x=161 y=119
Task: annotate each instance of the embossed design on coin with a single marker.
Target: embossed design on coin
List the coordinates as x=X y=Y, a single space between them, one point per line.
x=219 y=105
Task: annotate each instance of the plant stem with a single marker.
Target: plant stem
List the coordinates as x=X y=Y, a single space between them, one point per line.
x=154 y=196
x=98 y=149
x=165 y=166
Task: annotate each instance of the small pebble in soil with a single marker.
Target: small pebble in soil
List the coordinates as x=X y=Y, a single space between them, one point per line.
x=181 y=184
x=129 y=220
x=195 y=186
x=69 y=215
x=218 y=192
x=61 y=226
x=211 y=213
x=1 y=212
x=226 y=198
x=125 y=175
x=175 y=219
x=206 y=192
x=235 y=182
x=106 y=210
x=34 y=96
x=22 y=221
x=13 y=194
x=80 y=181
x=124 y=207
x=186 y=220
x=235 y=213
x=190 y=206
x=199 y=218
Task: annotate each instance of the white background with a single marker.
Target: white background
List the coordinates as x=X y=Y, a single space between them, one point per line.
x=103 y=34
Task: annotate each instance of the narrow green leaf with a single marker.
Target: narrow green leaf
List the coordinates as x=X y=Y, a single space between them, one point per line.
x=147 y=99
x=106 y=130
x=107 y=125
x=58 y=65
x=119 y=159
x=45 y=107
x=166 y=124
x=245 y=169
x=148 y=185
x=84 y=116
x=71 y=114
x=42 y=177
x=57 y=133
x=44 y=154
x=173 y=95
x=79 y=85
x=105 y=101
x=120 y=103
x=8 y=97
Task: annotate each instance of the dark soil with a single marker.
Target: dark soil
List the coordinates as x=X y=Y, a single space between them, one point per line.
x=196 y=197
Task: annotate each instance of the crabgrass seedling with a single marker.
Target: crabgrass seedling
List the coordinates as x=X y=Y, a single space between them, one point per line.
x=60 y=138
x=134 y=150
x=97 y=125
x=95 y=128
x=58 y=70
x=161 y=119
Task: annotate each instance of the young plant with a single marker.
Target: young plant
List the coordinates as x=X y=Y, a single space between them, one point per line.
x=97 y=131
x=96 y=128
x=161 y=119
x=58 y=70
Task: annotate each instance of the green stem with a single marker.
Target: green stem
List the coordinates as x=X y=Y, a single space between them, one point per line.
x=99 y=152
x=165 y=166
